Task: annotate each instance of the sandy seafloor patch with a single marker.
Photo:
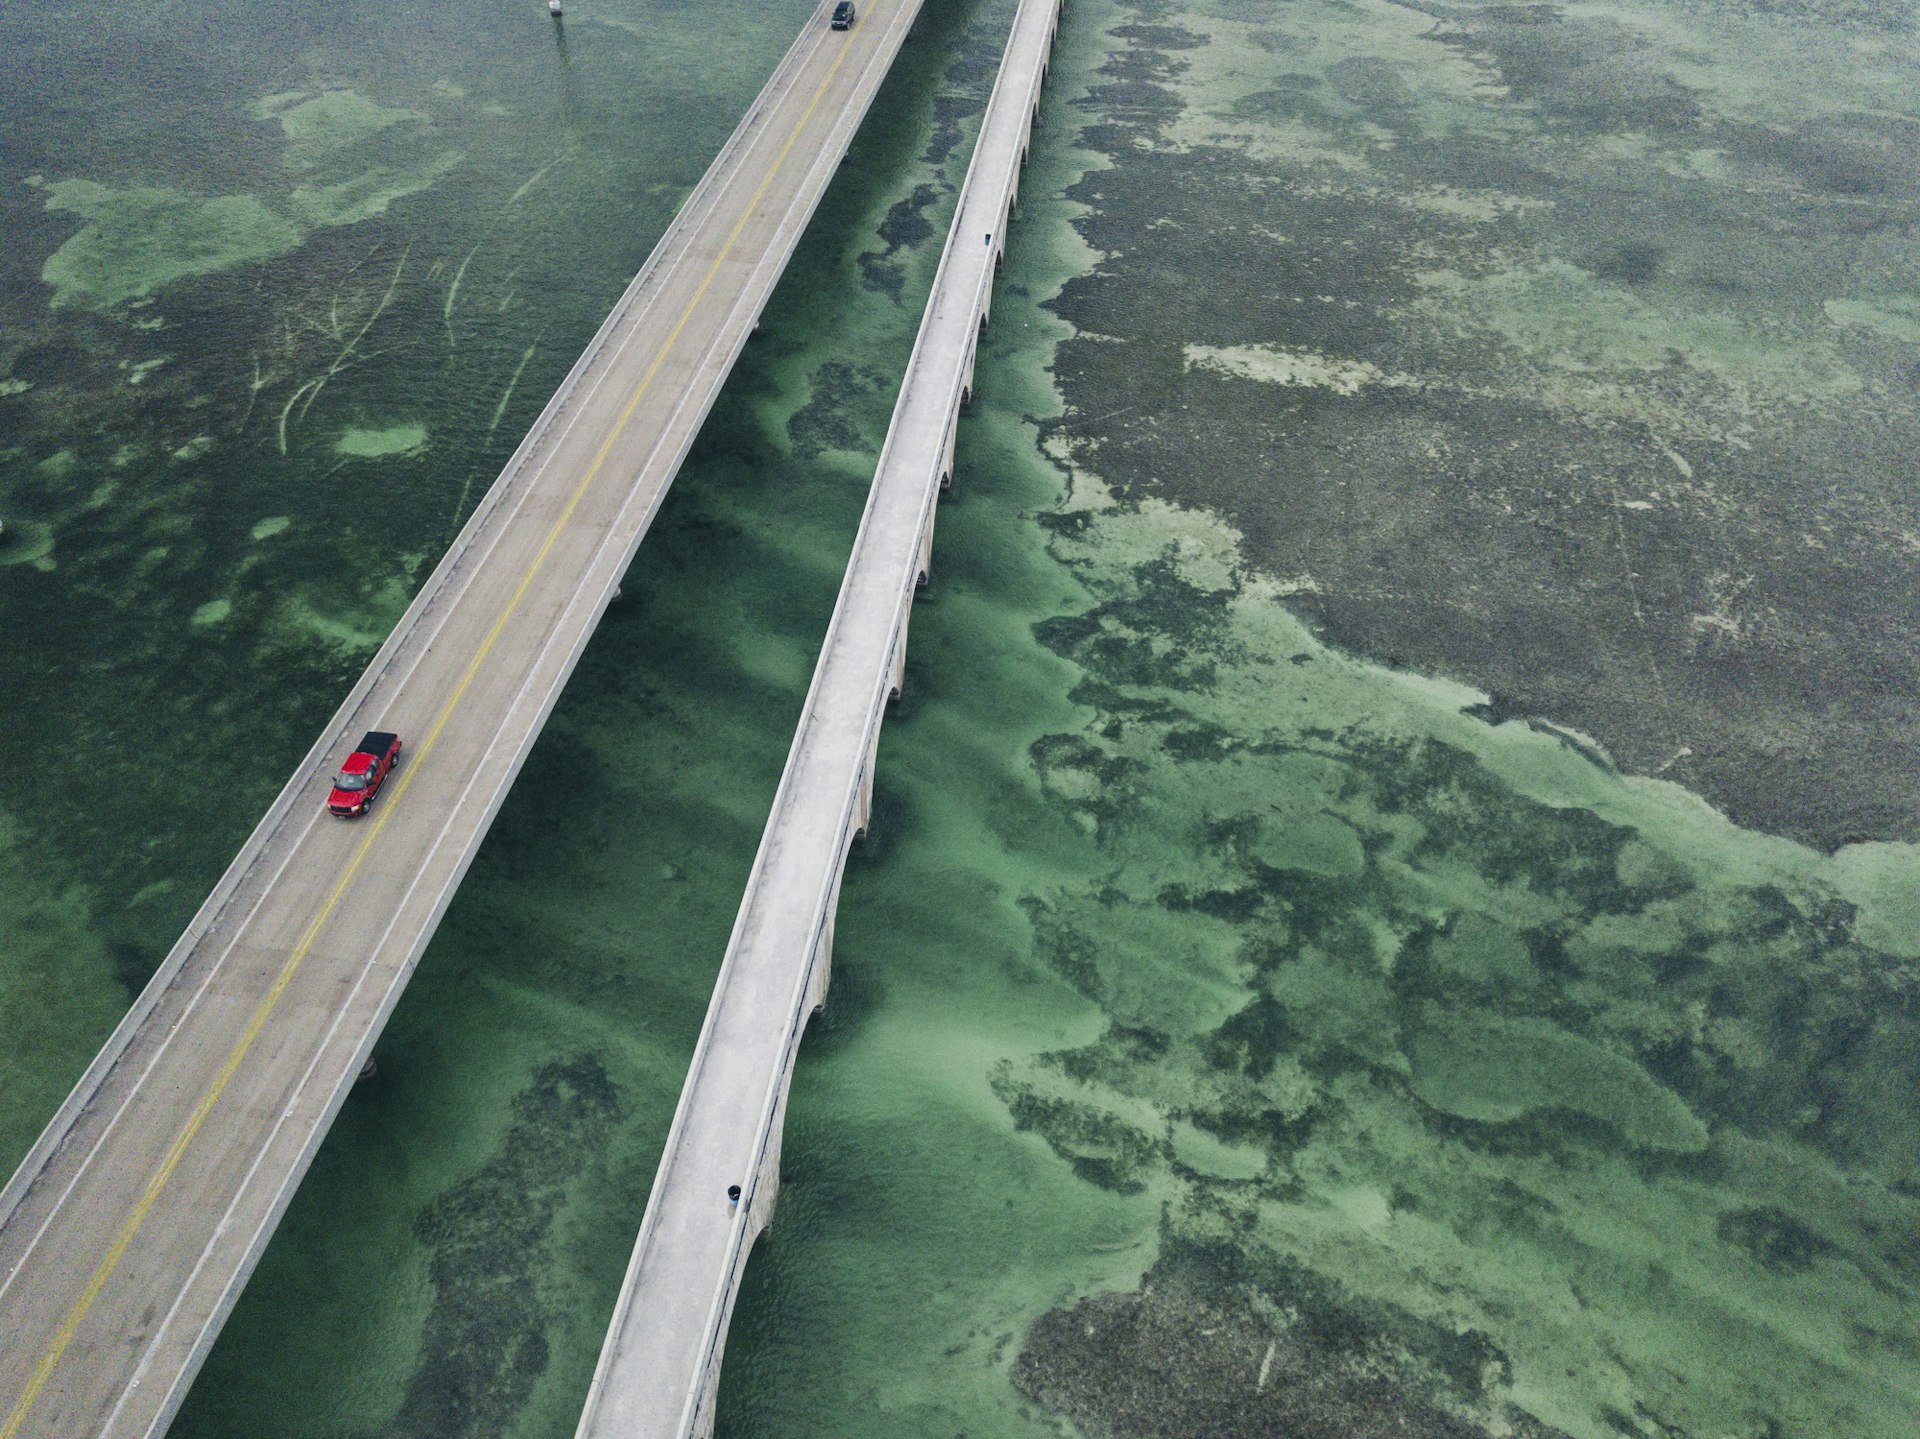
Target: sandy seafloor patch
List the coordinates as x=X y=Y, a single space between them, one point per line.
x=1230 y=1033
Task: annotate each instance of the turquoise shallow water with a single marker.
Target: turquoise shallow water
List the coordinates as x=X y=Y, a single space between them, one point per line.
x=1227 y=1034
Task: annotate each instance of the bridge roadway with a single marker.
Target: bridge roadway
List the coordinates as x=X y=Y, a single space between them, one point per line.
x=659 y=1367
x=129 y=1230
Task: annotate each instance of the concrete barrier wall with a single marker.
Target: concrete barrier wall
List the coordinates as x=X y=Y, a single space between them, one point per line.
x=659 y=1368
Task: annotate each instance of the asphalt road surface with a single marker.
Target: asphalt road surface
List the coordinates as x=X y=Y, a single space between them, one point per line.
x=130 y=1229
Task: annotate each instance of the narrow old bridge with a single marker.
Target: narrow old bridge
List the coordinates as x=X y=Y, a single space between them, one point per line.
x=715 y=1188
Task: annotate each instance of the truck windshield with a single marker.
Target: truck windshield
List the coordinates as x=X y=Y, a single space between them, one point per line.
x=351 y=782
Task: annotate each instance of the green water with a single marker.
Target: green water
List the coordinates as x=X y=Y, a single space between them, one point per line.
x=283 y=287
x=1228 y=1034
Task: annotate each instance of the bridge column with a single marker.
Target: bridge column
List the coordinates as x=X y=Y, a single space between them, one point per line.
x=896 y=675
x=925 y=560
x=766 y=1183
x=822 y=975
x=863 y=799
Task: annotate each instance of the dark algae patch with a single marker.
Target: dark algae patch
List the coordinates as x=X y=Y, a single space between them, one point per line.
x=1212 y=1346
x=485 y=1345
x=1454 y=1074
x=1774 y=1237
x=1568 y=353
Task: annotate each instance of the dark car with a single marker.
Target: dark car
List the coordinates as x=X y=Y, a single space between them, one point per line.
x=366 y=768
x=843 y=15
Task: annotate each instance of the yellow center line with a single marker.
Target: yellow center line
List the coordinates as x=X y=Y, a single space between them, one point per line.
x=63 y=1336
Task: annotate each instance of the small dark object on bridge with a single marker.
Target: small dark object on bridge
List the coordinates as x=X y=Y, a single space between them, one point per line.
x=842 y=15
x=733 y=1195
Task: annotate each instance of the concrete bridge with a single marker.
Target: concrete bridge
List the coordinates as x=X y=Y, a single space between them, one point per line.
x=128 y=1231
x=714 y=1192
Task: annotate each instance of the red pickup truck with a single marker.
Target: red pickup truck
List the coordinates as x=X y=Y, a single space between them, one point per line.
x=366 y=768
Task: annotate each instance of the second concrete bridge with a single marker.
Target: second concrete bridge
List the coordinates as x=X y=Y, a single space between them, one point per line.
x=714 y=1192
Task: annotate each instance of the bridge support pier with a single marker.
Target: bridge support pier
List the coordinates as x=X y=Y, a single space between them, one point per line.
x=897 y=672
x=924 y=562
x=863 y=801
